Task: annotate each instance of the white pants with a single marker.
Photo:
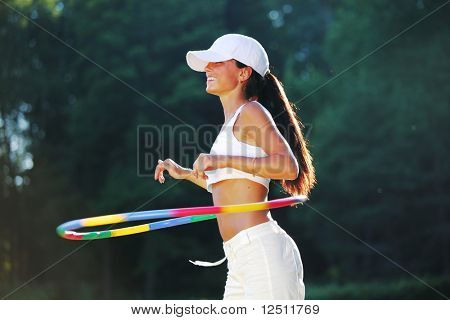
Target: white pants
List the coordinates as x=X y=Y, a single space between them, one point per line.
x=264 y=263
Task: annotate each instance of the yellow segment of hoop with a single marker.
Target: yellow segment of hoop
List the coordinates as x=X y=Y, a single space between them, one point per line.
x=243 y=208
x=130 y=230
x=98 y=221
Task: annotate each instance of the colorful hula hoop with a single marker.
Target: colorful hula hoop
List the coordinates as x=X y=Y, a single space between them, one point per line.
x=179 y=217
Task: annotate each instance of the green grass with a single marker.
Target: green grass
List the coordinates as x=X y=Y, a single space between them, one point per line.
x=401 y=289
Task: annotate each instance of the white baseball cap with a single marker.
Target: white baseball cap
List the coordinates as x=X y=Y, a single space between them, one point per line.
x=231 y=46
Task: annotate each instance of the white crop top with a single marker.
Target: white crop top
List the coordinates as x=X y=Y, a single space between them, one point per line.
x=227 y=144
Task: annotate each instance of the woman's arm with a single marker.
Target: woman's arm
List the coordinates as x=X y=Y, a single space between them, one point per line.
x=280 y=162
x=190 y=177
x=273 y=166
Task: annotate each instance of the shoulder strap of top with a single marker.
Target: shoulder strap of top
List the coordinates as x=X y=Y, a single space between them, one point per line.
x=234 y=117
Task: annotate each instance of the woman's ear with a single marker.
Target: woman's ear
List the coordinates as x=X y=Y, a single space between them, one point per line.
x=245 y=73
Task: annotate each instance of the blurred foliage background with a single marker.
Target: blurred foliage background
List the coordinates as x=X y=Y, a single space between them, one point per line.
x=79 y=77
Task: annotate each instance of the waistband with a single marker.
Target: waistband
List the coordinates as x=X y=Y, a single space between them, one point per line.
x=243 y=238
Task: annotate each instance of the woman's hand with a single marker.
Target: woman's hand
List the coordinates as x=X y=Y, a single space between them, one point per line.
x=175 y=170
x=204 y=162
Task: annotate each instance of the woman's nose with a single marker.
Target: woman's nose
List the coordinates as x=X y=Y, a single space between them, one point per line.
x=208 y=66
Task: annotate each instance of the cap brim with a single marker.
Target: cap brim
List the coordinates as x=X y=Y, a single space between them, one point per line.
x=197 y=60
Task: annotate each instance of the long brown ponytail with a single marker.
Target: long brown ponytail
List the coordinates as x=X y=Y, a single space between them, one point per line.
x=271 y=95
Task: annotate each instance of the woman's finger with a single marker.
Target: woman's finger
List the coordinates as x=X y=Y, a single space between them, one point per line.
x=160 y=174
x=157 y=171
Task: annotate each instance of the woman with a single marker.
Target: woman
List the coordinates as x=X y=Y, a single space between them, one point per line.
x=263 y=260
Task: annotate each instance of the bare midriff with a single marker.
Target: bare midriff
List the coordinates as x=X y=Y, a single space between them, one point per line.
x=239 y=191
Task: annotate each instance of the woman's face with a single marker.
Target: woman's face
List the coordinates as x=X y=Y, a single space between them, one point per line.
x=222 y=77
